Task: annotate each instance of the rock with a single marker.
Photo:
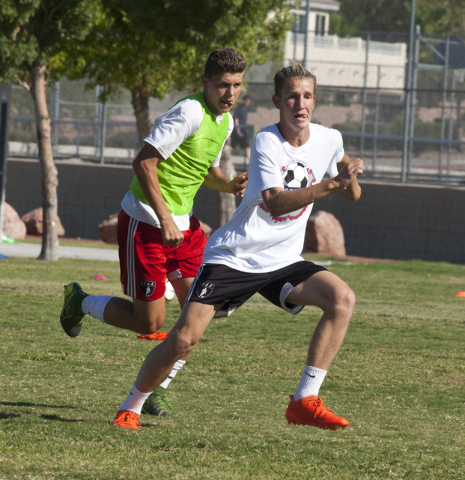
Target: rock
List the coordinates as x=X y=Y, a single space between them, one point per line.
x=325 y=235
x=108 y=229
x=13 y=226
x=206 y=229
x=34 y=223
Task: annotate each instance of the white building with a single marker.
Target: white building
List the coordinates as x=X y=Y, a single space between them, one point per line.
x=336 y=61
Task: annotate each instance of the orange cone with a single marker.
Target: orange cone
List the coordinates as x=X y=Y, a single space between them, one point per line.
x=154 y=336
x=460 y=294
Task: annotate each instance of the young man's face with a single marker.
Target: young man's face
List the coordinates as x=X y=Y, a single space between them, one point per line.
x=222 y=91
x=296 y=102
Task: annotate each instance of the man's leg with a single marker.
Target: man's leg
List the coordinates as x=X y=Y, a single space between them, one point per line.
x=143 y=317
x=336 y=299
x=158 y=403
x=158 y=364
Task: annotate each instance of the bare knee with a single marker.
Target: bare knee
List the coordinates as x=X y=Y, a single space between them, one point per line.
x=148 y=324
x=344 y=303
x=148 y=317
x=182 y=343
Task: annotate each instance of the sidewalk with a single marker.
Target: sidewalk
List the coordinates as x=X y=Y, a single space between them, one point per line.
x=33 y=251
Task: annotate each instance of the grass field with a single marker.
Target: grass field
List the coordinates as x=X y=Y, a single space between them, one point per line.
x=399 y=379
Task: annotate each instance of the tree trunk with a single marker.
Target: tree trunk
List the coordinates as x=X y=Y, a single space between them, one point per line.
x=140 y=104
x=226 y=201
x=49 y=173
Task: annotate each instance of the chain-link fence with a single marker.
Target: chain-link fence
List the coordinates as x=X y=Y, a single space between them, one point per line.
x=403 y=114
x=399 y=101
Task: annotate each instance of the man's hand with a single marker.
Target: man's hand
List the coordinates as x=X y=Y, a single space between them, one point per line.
x=349 y=173
x=237 y=185
x=172 y=236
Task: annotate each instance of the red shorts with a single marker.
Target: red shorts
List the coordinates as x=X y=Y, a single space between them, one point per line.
x=145 y=262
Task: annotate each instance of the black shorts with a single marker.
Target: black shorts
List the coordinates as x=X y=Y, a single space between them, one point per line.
x=216 y=284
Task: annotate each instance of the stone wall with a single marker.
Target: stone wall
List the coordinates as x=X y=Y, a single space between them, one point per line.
x=396 y=221
x=87 y=193
x=401 y=221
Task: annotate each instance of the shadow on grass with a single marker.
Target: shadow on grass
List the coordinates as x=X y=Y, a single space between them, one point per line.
x=8 y=416
x=29 y=404
x=56 y=418
x=60 y=419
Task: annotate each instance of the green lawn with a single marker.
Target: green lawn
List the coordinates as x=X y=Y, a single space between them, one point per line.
x=399 y=379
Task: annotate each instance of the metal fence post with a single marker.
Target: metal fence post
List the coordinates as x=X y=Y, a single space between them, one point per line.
x=307 y=18
x=375 y=139
x=103 y=131
x=413 y=98
x=364 y=95
x=451 y=120
x=444 y=99
x=55 y=112
x=5 y=92
x=97 y=120
x=408 y=87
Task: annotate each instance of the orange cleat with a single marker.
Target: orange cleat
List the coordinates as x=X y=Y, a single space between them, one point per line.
x=126 y=419
x=312 y=411
x=154 y=336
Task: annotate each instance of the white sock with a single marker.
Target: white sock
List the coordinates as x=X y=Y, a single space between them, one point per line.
x=95 y=306
x=177 y=366
x=135 y=400
x=310 y=383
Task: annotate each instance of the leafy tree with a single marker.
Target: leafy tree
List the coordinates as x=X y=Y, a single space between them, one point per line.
x=33 y=37
x=152 y=48
x=447 y=16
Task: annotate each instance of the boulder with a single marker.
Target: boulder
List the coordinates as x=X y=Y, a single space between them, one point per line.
x=206 y=229
x=325 y=235
x=34 y=223
x=107 y=229
x=13 y=226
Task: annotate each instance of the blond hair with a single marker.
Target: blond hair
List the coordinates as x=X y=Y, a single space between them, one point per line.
x=294 y=70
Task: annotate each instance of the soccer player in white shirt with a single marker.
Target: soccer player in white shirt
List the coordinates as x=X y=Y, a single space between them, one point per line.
x=258 y=251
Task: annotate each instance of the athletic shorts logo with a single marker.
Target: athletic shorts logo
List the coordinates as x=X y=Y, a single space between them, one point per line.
x=147 y=288
x=204 y=289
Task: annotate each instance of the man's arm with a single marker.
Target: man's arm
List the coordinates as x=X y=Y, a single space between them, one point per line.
x=353 y=191
x=145 y=168
x=217 y=181
x=280 y=202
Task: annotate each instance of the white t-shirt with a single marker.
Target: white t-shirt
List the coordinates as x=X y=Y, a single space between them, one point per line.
x=171 y=129
x=253 y=240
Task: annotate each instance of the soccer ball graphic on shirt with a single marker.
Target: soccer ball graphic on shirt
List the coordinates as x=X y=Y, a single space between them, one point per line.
x=295 y=176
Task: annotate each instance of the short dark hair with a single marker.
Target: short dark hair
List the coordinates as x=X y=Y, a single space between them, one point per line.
x=246 y=97
x=294 y=70
x=224 y=60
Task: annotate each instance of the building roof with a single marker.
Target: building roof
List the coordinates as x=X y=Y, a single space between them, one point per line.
x=321 y=5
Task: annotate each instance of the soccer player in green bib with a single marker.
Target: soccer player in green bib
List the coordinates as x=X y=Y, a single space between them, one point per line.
x=158 y=237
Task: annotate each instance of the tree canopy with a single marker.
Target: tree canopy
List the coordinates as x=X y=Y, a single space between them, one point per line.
x=152 y=48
